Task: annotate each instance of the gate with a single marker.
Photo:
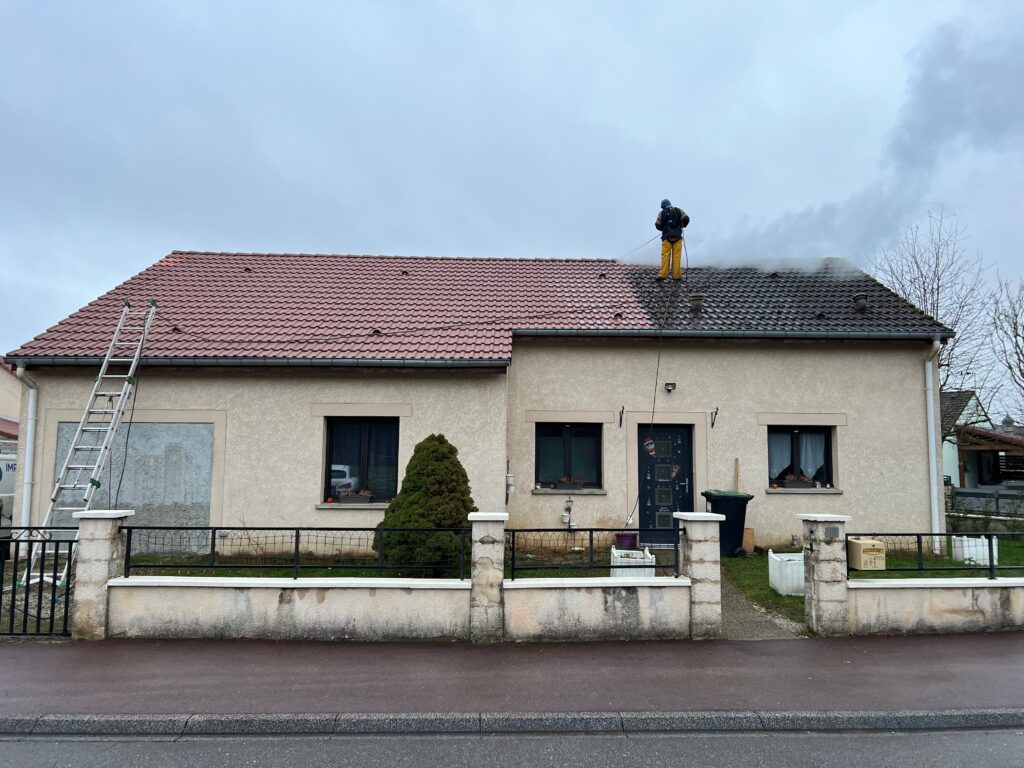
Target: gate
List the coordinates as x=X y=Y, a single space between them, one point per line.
x=36 y=580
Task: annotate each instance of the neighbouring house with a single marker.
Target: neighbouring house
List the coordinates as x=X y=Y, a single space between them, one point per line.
x=963 y=465
x=10 y=403
x=290 y=390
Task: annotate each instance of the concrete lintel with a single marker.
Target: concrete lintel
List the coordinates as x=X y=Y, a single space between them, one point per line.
x=228 y=582
x=818 y=518
x=488 y=517
x=103 y=514
x=699 y=517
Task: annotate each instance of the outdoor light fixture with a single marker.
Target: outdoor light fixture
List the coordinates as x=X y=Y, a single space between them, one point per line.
x=670 y=386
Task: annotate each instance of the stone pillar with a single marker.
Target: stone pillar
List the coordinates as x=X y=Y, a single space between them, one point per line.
x=826 y=608
x=99 y=558
x=704 y=567
x=486 y=600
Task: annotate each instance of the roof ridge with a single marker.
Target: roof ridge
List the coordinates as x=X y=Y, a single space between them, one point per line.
x=530 y=259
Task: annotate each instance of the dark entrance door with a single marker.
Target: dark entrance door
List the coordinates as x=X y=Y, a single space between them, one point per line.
x=665 y=466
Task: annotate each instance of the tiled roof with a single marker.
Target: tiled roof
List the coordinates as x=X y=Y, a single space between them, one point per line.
x=320 y=307
x=952 y=404
x=816 y=300
x=236 y=307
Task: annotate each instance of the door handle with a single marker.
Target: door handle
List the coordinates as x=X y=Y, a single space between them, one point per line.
x=686 y=484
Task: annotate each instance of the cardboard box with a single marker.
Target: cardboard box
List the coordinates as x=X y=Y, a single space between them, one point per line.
x=865 y=554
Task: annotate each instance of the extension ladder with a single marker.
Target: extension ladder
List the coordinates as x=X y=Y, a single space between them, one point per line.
x=80 y=475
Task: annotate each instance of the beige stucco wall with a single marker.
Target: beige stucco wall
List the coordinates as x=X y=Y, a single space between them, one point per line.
x=321 y=609
x=597 y=609
x=10 y=395
x=873 y=395
x=965 y=607
x=269 y=431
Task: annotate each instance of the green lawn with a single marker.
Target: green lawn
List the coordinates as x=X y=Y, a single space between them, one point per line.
x=750 y=575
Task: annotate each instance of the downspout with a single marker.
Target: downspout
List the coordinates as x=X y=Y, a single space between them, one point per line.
x=929 y=398
x=28 y=469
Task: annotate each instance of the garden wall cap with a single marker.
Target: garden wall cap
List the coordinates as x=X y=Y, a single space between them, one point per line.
x=812 y=517
x=695 y=517
x=103 y=514
x=488 y=517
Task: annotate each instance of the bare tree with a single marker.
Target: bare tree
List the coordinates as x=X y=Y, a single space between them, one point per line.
x=1008 y=338
x=928 y=265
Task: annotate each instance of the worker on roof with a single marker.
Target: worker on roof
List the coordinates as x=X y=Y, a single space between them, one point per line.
x=670 y=222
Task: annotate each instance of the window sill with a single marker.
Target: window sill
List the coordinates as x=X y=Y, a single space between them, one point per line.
x=567 y=492
x=374 y=505
x=811 y=491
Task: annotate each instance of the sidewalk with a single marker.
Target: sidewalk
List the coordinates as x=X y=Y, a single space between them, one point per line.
x=333 y=685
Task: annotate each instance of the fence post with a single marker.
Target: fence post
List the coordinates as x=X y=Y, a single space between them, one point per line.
x=703 y=558
x=486 y=600
x=826 y=597
x=100 y=558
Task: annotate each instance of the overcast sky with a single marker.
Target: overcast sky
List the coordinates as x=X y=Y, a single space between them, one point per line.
x=494 y=129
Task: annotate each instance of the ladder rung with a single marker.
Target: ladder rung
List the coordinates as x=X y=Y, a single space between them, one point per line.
x=115 y=375
x=103 y=410
x=107 y=394
x=81 y=466
x=121 y=360
x=94 y=429
x=70 y=509
x=87 y=448
x=73 y=486
x=127 y=344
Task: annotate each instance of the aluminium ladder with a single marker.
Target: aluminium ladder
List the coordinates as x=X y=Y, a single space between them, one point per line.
x=80 y=476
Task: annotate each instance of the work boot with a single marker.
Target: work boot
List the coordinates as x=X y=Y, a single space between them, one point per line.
x=659 y=278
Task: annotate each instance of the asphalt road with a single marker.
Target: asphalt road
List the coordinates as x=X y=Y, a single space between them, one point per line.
x=222 y=676
x=993 y=749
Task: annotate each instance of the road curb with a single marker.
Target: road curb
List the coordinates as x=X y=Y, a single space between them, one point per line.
x=329 y=724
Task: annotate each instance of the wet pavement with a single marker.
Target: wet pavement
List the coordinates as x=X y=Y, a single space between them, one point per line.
x=226 y=676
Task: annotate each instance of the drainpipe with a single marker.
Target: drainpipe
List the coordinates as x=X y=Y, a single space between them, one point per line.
x=30 y=447
x=929 y=398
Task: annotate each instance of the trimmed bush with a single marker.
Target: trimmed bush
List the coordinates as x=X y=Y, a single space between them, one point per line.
x=435 y=494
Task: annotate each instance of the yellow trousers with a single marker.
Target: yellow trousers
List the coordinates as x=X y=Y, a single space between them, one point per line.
x=671 y=253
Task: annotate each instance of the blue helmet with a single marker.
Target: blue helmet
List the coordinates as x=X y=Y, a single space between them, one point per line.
x=666 y=203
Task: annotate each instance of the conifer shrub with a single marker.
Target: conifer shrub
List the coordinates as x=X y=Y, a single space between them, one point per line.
x=435 y=493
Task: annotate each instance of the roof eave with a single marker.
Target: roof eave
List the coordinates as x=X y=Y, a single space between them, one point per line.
x=344 y=362
x=683 y=333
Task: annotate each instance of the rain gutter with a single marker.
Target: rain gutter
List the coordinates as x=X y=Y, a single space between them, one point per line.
x=678 y=333
x=268 y=361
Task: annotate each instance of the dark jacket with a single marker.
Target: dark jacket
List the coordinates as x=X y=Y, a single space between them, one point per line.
x=670 y=222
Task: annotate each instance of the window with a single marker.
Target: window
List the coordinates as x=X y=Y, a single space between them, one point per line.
x=568 y=455
x=799 y=457
x=362 y=459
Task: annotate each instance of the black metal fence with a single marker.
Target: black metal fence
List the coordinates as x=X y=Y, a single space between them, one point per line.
x=35 y=576
x=297 y=552
x=588 y=552
x=988 y=554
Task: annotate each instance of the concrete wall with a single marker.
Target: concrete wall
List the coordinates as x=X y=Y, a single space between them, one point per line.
x=597 y=609
x=872 y=395
x=284 y=609
x=268 y=451
x=915 y=606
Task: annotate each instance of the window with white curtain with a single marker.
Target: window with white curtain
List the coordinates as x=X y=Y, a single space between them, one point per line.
x=800 y=457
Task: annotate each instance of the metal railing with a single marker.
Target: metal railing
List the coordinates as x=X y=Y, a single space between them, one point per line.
x=296 y=552
x=974 y=554
x=587 y=551
x=35 y=594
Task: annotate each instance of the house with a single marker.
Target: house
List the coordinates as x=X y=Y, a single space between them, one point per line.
x=963 y=414
x=281 y=389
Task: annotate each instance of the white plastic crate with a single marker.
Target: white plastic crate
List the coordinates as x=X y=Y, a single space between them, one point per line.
x=975 y=549
x=632 y=557
x=786 y=572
